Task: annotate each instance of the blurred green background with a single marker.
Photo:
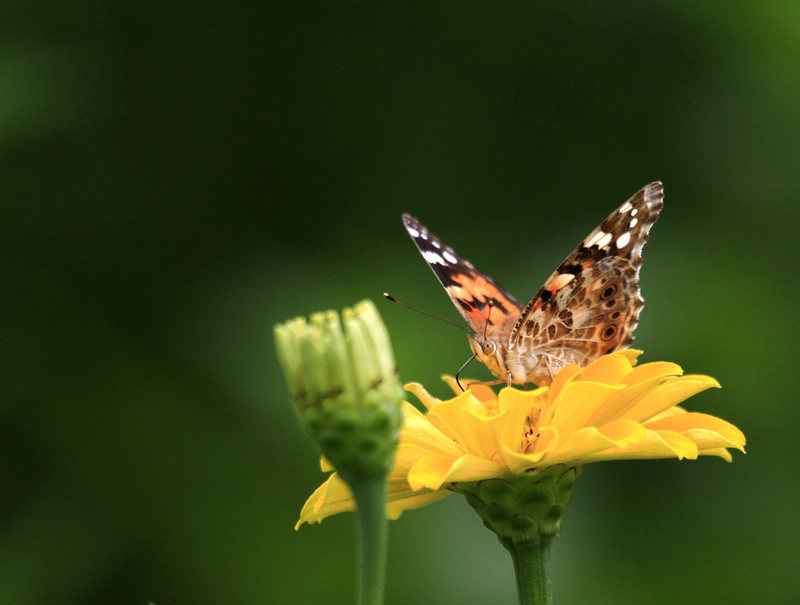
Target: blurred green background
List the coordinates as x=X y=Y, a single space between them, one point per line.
x=178 y=177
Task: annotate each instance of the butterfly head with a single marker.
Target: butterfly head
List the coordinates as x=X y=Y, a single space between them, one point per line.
x=489 y=352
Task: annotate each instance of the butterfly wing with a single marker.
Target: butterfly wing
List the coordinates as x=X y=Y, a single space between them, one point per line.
x=469 y=289
x=590 y=305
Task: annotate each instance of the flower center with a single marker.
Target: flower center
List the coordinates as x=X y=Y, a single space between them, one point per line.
x=531 y=432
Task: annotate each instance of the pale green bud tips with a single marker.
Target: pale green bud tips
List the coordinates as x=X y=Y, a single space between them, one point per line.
x=342 y=377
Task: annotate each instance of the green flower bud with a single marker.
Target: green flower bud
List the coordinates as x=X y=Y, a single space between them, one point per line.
x=344 y=384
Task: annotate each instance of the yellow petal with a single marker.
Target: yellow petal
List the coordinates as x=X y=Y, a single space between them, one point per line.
x=632 y=355
x=419 y=431
x=482 y=392
x=578 y=402
x=453 y=384
x=478 y=388
x=623 y=401
x=482 y=435
x=691 y=420
x=473 y=468
x=433 y=471
x=583 y=445
x=422 y=394
x=681 y=445
x=407 y=455
x=491 y=431
x=608 y=369
x=430 y=472
x=564 y=377
x=463 y=417
x=546 y=441
x=721 y=452
x=652 y=370
x=669 y=393
x=657 y=444
x=511 y=398
x=403 y=500
x=640 y=381
x=708 y=432
x=334 y=496
x=623 y=432
x=669 y=412
x=328 y=499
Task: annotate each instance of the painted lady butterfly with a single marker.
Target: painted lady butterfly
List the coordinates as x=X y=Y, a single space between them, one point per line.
x=588 y=307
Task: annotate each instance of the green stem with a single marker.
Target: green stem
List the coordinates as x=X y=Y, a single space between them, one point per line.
x=532 y=569
x=373 y=537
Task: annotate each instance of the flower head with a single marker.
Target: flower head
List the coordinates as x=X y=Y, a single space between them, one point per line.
x=345 y=386
x=605 y=411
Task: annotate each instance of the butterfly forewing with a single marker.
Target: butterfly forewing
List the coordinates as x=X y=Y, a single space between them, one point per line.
x=469 y=289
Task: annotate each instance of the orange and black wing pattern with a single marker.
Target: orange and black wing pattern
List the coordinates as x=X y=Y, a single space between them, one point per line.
x=470 y=290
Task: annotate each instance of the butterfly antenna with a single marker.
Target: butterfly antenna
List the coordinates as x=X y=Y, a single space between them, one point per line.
x=461 y=369
x=391 y=298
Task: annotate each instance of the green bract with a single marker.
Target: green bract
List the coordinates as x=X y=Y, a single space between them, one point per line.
x=522 y=508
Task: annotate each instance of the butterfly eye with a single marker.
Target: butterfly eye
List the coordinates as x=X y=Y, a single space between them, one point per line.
x=489 y=347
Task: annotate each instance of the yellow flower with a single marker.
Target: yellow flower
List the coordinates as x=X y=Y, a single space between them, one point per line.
x=608 y=410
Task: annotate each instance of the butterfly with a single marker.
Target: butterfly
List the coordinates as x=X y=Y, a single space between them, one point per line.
x=587 y=308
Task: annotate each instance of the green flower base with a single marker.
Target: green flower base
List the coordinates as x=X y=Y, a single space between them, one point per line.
x=521 y=508
x=525 y=513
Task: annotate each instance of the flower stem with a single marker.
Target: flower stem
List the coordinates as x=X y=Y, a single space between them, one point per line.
x=532 y=569
x=373 y=537
x=525 y=512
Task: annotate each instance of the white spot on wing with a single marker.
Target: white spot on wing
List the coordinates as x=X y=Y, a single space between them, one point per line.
x=560 y=281
x=604 y=241
x=449 y=257
x=634 y=212
x=413 y=232
x=625 y=207
x=424 y=235
x=624 y=239
x=436 y=244
x=633 y=222
x=595 y=238
x=434 y=258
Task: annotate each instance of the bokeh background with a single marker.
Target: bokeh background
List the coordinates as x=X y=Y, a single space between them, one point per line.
x=178 y=177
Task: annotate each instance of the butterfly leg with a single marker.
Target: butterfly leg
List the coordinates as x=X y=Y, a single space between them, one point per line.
x=487 y=383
